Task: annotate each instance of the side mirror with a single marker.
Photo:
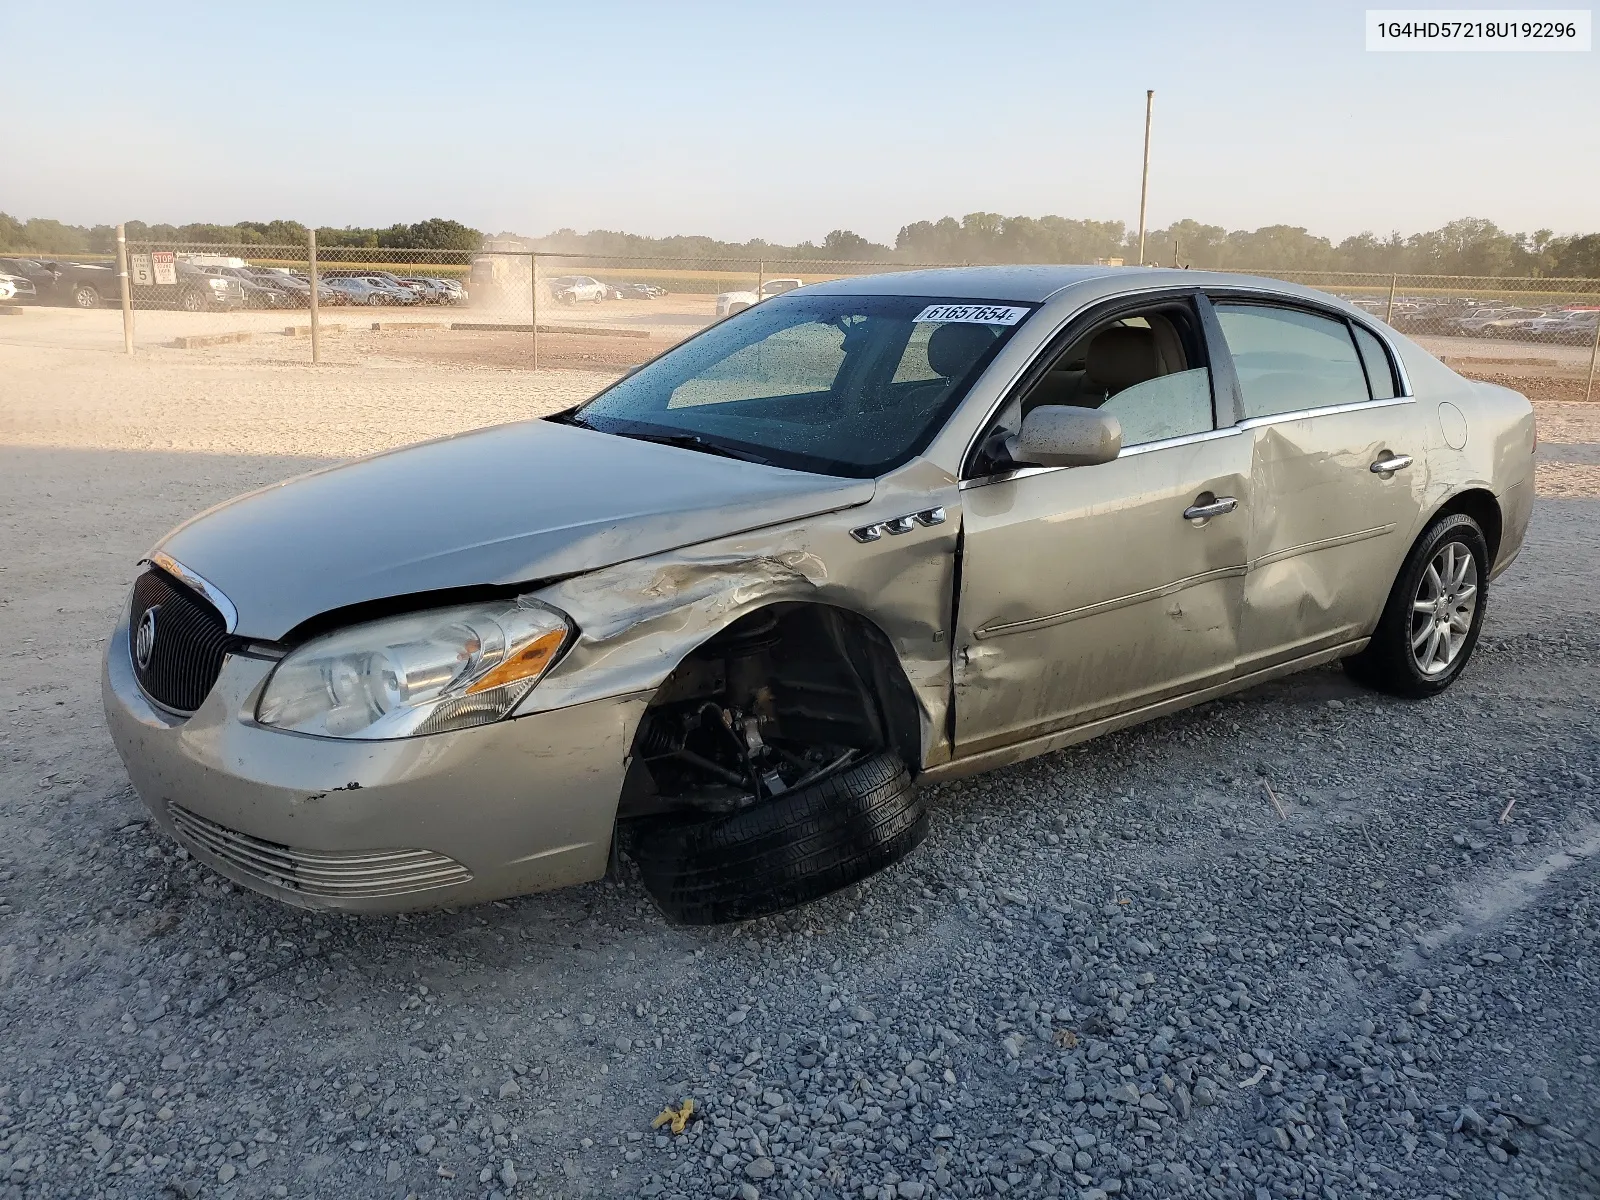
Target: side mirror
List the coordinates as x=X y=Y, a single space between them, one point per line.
x=1059 y=435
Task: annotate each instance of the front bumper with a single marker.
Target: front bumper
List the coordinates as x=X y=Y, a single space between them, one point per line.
x=518 y=806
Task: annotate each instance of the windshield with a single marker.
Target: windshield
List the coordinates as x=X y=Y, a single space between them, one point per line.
x=839 y=384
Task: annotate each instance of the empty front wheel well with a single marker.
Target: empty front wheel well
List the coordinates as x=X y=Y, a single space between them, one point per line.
x=773 y=698
x=1481 y=505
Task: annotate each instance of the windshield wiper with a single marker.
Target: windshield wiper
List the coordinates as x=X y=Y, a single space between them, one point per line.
x=693 y=441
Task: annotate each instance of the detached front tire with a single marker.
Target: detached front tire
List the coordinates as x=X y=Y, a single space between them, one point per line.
x=1431 y=622
x=783 y=852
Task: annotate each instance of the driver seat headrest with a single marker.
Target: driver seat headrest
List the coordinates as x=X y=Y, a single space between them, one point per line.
x=1122 y=356
x=953 y=348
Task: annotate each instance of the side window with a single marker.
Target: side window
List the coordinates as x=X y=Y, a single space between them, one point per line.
x=1288 y=360
x=1147 y=370
x=1380 y=375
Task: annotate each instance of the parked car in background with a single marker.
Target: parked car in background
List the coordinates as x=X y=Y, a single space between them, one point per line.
x=1572 y=328
x=201 y=291
x=1519 y=327
x=74 y=284
x=354 y=289
x=391 y=286
x=431 y=289
x=570 y=289
x=636 y=291
x=380 y=278
x=1476 y=324
x=729 y=303
x=18 y=288
x=725 y=616
x=1432 y=316
x=259 y=291
x=297 y=285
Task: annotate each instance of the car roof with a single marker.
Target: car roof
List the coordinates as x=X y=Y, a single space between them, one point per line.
x=1036 y=284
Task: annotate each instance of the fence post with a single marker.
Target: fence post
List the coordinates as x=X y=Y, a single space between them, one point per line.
x=533 y=302
x=1388 y=313
x=316 y=324
x=761 y=277
x=1594 y=353
x=127 y=289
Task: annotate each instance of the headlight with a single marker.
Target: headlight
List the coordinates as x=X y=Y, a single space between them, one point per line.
x=219 y=284
x=450 y=668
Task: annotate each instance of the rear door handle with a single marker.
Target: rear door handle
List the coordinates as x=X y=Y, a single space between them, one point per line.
x=1390 y=463
x=1203 y=509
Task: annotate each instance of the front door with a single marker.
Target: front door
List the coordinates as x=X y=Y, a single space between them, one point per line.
x=1089 y=591
x=1328 y=531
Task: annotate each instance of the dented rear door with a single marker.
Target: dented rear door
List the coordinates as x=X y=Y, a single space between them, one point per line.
x=1329 y=527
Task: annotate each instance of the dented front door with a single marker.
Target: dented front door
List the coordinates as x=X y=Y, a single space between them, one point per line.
x=1087 y=591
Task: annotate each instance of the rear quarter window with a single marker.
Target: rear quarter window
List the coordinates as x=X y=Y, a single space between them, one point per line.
x=1288 y=360
x=1380 y=374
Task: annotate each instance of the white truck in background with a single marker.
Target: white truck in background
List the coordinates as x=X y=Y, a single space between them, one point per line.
x=729 y=303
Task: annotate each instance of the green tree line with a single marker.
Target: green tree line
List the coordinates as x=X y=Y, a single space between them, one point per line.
x=1468 y=246
x=44 y=236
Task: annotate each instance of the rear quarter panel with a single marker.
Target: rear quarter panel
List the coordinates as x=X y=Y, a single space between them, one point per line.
x=1477 y=436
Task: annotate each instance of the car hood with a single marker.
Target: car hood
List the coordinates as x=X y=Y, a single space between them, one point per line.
x=507 y=505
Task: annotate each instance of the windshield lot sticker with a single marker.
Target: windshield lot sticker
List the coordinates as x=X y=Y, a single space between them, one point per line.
x=972 y=314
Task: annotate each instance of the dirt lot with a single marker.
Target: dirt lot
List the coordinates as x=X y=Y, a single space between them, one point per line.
x=1116 y=971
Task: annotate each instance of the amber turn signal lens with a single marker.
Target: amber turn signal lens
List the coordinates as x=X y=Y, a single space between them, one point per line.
x=528 y=663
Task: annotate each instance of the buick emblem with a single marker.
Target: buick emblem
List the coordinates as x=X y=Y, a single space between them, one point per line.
x=144 y=638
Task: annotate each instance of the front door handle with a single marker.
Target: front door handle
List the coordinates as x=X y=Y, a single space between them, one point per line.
x=1390 y=463
x=1203 y=509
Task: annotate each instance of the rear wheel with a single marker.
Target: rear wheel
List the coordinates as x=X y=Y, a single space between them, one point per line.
x=1431 y=622
x=795 y=847
x=84 y=296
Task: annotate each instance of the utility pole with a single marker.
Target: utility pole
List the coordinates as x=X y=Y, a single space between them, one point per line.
x=1144 y=184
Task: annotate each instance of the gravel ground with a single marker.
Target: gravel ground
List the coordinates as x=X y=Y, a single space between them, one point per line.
x=1303 y=942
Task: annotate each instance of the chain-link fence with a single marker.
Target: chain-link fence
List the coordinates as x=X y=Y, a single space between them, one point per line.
x=190 y=294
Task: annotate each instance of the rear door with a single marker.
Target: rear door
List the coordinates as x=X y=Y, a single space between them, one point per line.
x=1091 y=591
x=1337 y=475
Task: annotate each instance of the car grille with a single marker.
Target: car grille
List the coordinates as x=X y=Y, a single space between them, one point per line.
x=352 y=874
x=191 y=640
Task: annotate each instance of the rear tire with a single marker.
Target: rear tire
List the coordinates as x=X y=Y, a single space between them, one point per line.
x=1431 y=622
x=84 y=296
x=794 y=848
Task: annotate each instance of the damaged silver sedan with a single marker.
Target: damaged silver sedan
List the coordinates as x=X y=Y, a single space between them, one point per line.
x=728 y=614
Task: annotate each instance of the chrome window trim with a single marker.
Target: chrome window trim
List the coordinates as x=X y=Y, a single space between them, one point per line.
x=230 y=614
x=1259 y=294
x=1155 y=291
x=1207 y=435
x=1327 y=410
x=1402 y=377
x=1186 y=439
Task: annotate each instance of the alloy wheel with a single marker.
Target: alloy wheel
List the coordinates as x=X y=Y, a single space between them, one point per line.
x=1443 y=608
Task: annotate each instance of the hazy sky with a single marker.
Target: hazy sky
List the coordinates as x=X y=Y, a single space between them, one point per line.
x=777 y=120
